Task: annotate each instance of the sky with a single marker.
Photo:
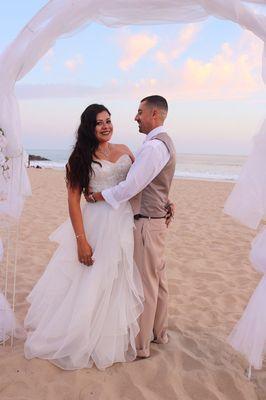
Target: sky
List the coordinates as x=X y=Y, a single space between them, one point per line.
x=210 y=73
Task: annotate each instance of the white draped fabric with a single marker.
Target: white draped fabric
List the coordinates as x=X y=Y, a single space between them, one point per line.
x=249 y=335
x=8 y=324
x=247 y=201
x=60 y=17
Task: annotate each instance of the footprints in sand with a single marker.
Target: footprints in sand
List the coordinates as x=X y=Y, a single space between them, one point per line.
x=190 y=363
x=205 y=368
x=92 y=391
x=196 y=390
x=12 y=389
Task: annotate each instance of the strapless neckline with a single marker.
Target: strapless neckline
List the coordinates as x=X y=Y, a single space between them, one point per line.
x=108 y=173
x=113 y=162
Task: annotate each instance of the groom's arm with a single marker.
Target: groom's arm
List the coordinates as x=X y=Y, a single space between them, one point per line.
x=149 y=162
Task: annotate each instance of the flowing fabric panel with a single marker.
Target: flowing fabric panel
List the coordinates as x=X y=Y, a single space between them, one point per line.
x=247 y=201
x=8 y=323
x=249 y=335
x=258 y=251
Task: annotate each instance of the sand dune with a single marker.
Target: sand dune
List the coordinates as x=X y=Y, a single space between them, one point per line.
x=210 y=280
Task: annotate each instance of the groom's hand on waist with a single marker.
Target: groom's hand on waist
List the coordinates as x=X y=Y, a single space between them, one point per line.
x=93 y=197
x=170 y=208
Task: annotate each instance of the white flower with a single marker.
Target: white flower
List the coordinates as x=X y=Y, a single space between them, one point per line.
x=3 y=140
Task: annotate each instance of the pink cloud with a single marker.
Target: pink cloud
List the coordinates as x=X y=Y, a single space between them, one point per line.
x=134 y=48
x=73 y=63
x=233 y=73
x=178 y=45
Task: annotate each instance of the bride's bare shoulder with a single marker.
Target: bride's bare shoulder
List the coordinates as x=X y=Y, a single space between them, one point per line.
x=123 y=149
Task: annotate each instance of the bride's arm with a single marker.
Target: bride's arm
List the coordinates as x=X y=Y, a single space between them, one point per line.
x=83 y=247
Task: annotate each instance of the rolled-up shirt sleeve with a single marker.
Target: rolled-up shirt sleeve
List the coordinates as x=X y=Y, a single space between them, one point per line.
x=150 y=160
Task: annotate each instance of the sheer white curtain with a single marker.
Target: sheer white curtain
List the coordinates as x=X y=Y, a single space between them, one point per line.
x=247 y=201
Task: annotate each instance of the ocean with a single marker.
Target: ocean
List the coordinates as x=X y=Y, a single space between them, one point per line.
x=218 y=167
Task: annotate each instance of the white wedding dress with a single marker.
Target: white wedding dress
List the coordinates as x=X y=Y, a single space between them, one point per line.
x=82 y=315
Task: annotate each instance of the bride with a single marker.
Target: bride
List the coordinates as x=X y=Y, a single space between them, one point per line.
x=84 y=308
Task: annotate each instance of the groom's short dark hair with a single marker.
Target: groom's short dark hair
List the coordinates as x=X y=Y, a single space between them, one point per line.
x=156 y=101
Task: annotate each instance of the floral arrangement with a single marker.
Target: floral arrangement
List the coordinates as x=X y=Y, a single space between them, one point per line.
x=3 y=159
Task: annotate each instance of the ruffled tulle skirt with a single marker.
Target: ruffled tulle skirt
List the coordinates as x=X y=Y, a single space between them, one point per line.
x=82 y=315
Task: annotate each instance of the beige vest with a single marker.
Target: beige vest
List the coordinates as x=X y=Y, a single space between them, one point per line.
x=152 y=200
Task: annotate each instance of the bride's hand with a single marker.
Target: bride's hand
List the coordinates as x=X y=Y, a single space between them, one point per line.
x=170 y=208
x=93 y=197
x=84 y=252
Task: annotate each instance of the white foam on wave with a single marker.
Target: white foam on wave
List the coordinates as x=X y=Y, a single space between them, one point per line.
x=189 y=166
x=206 y=176
x=48 y=164
x=179 y=173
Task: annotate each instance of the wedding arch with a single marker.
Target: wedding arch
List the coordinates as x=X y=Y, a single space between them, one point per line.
x=60 y=17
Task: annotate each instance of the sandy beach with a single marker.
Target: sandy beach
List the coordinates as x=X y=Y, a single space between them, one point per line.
x=210 y=282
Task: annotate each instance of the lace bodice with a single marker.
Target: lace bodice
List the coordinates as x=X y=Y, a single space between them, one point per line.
x=109 y=174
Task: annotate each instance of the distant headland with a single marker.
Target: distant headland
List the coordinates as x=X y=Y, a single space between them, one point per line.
x=33 y=157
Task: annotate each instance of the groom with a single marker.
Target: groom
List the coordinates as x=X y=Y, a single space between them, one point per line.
x=147 y=184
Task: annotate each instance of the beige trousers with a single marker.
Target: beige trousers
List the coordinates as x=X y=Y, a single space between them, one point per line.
x=149 y=238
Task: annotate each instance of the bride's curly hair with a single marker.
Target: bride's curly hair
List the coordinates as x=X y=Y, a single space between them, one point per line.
x=79 y=167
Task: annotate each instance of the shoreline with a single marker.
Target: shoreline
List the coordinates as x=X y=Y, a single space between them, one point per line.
x=210 y=167
x=192 y=178
x=214 y=180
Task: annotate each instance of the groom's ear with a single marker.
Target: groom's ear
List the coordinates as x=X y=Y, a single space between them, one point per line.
x=155 y=112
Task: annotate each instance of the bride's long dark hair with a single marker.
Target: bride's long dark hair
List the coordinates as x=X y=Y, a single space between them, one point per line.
x=79 y=167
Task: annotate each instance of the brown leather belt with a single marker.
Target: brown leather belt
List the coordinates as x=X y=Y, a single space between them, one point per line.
x=138 y=216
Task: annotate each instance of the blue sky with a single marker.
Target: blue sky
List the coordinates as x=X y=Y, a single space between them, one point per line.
x=209 y=72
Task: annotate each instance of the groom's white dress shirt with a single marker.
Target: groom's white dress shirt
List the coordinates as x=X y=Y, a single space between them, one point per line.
x=150 y=160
